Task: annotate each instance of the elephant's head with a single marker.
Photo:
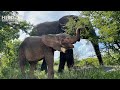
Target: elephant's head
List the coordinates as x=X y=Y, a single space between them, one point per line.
x=67 y=40
x=61 y=42
x=57 y=42
x=72 y=39
x=63 y=21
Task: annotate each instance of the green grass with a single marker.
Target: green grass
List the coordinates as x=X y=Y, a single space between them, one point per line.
x=92 y=73
x=95 y=72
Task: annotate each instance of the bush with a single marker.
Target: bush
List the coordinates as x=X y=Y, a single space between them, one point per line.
x=88 y=62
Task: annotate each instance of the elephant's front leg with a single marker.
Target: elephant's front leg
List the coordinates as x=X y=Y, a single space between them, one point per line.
x=68 y=56
x=49 y=57
x=62 y=62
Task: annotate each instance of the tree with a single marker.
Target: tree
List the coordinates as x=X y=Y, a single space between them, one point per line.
x=9 y=65
x=10 y=30
x=83 y=22
x=108 y=24
x=9 y=44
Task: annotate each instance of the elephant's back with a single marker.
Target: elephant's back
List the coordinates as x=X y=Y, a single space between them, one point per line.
x=46 y=28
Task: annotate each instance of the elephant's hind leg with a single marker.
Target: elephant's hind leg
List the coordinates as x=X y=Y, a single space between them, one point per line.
x=32 y=68
x=22 y=67
x=44 y=66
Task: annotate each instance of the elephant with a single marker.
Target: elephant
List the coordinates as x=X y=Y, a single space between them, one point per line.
x=56 y=27
x=36 y=48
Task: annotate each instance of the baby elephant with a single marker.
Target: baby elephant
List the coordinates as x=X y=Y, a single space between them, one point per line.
x=35 y=48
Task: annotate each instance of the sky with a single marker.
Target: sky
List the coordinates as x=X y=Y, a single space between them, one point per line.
x=84 y=47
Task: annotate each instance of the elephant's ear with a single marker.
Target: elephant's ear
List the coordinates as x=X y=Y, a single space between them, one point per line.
x=51 y=41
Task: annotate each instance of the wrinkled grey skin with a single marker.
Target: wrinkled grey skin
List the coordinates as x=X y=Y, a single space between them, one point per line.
x=35 y=48
x=57 y=27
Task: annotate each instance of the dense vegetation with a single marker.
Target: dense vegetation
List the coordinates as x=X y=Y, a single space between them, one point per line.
x=107 y=23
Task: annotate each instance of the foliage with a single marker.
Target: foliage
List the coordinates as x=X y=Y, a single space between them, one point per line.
x=108 y=60
x=111 y=60
x=87 y=29
x=81 y=23
x=108 y=24
x=10 y=30
x=9 y=67
x=9 y=33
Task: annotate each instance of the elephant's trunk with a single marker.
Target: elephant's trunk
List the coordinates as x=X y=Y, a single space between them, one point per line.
x=77 y=36
x=78 y=32
x=73 y=39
